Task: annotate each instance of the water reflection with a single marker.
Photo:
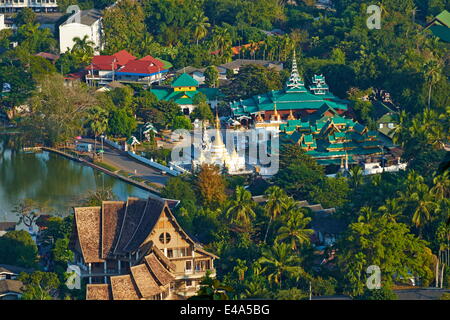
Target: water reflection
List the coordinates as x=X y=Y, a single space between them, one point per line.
x=49 y=178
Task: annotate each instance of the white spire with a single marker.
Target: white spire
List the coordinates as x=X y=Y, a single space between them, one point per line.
x=295 y=81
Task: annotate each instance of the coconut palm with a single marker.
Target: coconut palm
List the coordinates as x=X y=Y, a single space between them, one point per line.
x=441 y=188
x=83 y=48
x=423 y=204
x=276 y=200
x=200 y=26
x=294 y=230
x=356 y=176
x=433 y=74
x=240 y=269
x=391 y=209
x=280 y=262
x=221 y=40
x=240 y=209
x=366 y=214
x=98 y=122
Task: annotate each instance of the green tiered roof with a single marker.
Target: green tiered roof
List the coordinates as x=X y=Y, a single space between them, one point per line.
x=185 y=80
x=331 y=137
x=185 y=97
x=294 y=96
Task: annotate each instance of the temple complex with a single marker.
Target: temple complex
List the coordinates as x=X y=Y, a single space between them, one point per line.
x=292 y=101
x=134 y=250
x=216 y=153
x=183 y=91
x=331 y=138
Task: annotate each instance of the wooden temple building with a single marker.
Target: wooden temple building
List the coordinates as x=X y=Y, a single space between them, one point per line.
x=136 y=250
x=294 y=101
x=331 y=138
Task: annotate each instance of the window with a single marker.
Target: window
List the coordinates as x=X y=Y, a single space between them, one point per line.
x=169 y=253
x=188 y=266
x=164 y=238
x=188 y=283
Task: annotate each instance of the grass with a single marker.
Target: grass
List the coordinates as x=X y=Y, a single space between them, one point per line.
x=106 y=166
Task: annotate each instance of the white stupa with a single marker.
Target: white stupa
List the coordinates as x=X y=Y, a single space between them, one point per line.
x=216 y=153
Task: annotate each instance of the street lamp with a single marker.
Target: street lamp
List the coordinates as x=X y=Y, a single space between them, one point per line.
x=102 y=136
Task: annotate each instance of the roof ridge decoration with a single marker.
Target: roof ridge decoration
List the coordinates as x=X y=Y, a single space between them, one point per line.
x=295 y=82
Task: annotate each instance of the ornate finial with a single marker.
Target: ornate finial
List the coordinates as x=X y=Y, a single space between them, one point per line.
x=217 y=119
x=295 y=81
x=259 y=118
x=291 y=116
x=275 y=116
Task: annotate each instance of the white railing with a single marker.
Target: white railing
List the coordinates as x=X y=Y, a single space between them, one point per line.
x=113 y=144
x=154 y=164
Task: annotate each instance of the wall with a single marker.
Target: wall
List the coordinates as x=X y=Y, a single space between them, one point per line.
x=69 y=31
x=153 y=164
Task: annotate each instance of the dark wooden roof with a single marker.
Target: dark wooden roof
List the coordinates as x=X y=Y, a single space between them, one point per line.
x=10 y=286
x=98 y=292
x=145 y=281
x=134 y=210
x=152 y=212
x=162 y=274
x=88 y=223
x=123 y=288
x=112 y=218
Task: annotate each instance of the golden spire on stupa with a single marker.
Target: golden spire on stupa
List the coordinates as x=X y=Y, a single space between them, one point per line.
x=275 y=116
x=291 y=116
x=259 y=118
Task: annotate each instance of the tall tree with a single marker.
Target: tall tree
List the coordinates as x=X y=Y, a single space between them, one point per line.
x=211 y=186
x=240 y=209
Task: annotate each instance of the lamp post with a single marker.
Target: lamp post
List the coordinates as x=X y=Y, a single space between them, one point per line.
x=102 y=136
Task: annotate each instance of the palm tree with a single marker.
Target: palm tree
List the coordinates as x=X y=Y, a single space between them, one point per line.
x=98 y=122
x=240 y=269
x=200 y=25
x=294 y=231
x=441 y=188
x=366 y=215
x=433 y=73
x=221 y=40
x=280 y=262
x=356 y=176
x=423 y=204
x=240 y=209
x=391 y=209
x=274 y=205
x=83 y=48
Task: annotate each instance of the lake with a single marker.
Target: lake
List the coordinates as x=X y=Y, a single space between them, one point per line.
x=50 y=179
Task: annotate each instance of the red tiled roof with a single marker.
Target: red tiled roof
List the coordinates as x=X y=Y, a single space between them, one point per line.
x=155 y=61
x=138 y=66
x=103 y=63
x=123 y=57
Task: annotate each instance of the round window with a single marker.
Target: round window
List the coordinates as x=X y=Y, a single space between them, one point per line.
x=164 y=238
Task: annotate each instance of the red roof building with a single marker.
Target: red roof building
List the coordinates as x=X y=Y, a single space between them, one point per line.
x=123 y=66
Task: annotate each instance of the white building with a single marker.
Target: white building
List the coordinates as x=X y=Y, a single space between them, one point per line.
x=216 y=153
x=84 y=23
x=36 y=5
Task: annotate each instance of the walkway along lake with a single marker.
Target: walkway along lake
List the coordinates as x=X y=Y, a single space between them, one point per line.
x=50 y=179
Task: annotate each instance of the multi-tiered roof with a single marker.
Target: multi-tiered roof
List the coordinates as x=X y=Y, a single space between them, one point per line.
x=295 y=96
x=183 y=91
x=329 y=137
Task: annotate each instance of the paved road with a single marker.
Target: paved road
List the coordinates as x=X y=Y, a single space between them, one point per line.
x=123 y=162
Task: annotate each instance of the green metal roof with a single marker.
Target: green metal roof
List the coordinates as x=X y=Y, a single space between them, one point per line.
x=177 y=96
x=444 y=17
x=442 y=32
x=185 y=80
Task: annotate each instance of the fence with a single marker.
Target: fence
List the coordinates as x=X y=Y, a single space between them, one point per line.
x=153 y=164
